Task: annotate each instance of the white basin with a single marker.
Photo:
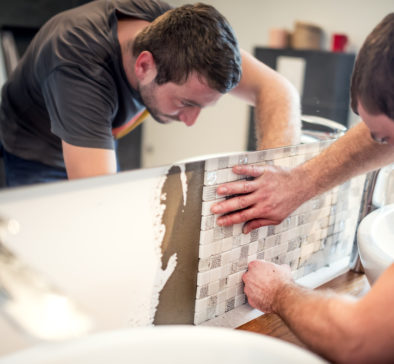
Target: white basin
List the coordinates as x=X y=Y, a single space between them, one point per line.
x=165 y=345
x=375 y=238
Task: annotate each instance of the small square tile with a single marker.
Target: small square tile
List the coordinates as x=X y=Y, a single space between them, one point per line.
x=223 y=162
x=207 y=236
x=261 y=245
x=254 y=235
x=253 y=247
x=230 y=304
x=262 y=232
x=227 y=244
x=245 y=239
x=237 y=241
x=207 y=222
x=252 y=257
x=215 y=261
x=209 y=193
x=213 y=288
x=202 y=291
x=239 y=300
x=237 y=229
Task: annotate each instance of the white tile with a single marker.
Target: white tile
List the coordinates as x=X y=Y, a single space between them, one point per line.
x=240 y=300
x=205 y=251
x=215 y=274
x=225 y=271
x=203 y=278
x=211 y=178
x=237 y=229
x=253 y=248
x=212 y=164
x=200 y=317
x=202 y=304
x=209 y=193
x=207 y=222
x=262 y=232
x=245 y=239
x=238 y=159
x=237 y=241
x=226 y=257
x=203 y=264
x=213 y=288
x=227 y=244
x=231 y=291
x=252 y=257
x=202 y=292
x=221 y=308
x=222 y=296
x=206 y=236
x=223 y=162
x=233 y=279
x=240 y=288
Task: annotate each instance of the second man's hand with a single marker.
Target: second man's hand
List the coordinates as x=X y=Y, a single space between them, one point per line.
x=266 y=200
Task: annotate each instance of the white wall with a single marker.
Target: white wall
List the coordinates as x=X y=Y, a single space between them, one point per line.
x=223 y=128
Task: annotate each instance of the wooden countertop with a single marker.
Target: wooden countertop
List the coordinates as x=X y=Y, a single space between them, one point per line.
x=355 y=284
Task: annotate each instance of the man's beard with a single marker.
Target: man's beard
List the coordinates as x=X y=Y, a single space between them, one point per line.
x=149 y=100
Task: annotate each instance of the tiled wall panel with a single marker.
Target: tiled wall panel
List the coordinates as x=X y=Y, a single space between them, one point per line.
x=318 y=233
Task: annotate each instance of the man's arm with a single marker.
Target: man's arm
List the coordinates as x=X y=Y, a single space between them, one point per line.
x=276 y=192
x=88 y=162
x=336 y=327
x=276 y=100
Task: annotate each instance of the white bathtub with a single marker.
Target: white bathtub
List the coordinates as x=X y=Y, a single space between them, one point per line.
x=168 y=345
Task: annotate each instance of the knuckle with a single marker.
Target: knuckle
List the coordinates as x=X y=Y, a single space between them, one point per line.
x=248 y=187
x=252 y=264
x=242 y=202
x=223 y=220
x=243 y=215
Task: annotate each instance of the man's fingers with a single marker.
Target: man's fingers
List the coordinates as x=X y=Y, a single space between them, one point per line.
x=238 y=187
x=249 y=170
x=233 y=204
x=236 y=217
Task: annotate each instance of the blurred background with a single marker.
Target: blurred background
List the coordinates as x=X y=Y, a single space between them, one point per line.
x=319 y=69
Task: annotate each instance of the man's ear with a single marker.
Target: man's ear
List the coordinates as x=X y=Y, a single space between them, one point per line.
x=145 y=67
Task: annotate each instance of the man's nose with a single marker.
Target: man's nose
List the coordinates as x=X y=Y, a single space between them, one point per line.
x=190 y=115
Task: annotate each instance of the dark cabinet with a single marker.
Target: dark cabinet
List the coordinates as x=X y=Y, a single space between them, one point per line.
x=326 y=82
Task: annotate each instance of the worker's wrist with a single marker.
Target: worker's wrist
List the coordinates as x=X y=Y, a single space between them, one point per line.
x=283 y=296
x=303 y=183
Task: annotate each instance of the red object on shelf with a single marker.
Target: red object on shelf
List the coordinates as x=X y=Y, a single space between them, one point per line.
x=339 y=42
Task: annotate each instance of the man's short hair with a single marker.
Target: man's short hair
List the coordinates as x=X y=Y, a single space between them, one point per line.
x=192 y=39
x=373 y=75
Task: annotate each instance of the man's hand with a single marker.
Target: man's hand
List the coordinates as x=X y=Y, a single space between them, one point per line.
x=264 y=282
x=267 y=200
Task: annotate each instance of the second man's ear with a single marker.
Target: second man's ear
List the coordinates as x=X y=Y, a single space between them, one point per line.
x=145 y=67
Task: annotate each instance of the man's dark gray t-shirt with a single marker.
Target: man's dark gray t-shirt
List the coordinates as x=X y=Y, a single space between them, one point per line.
x=70 y=84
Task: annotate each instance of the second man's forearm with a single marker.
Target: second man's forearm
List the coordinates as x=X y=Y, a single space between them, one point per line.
x=321 y=321
x=351 y=155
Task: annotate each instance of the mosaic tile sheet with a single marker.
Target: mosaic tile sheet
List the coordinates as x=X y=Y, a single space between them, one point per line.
x=319 y=232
